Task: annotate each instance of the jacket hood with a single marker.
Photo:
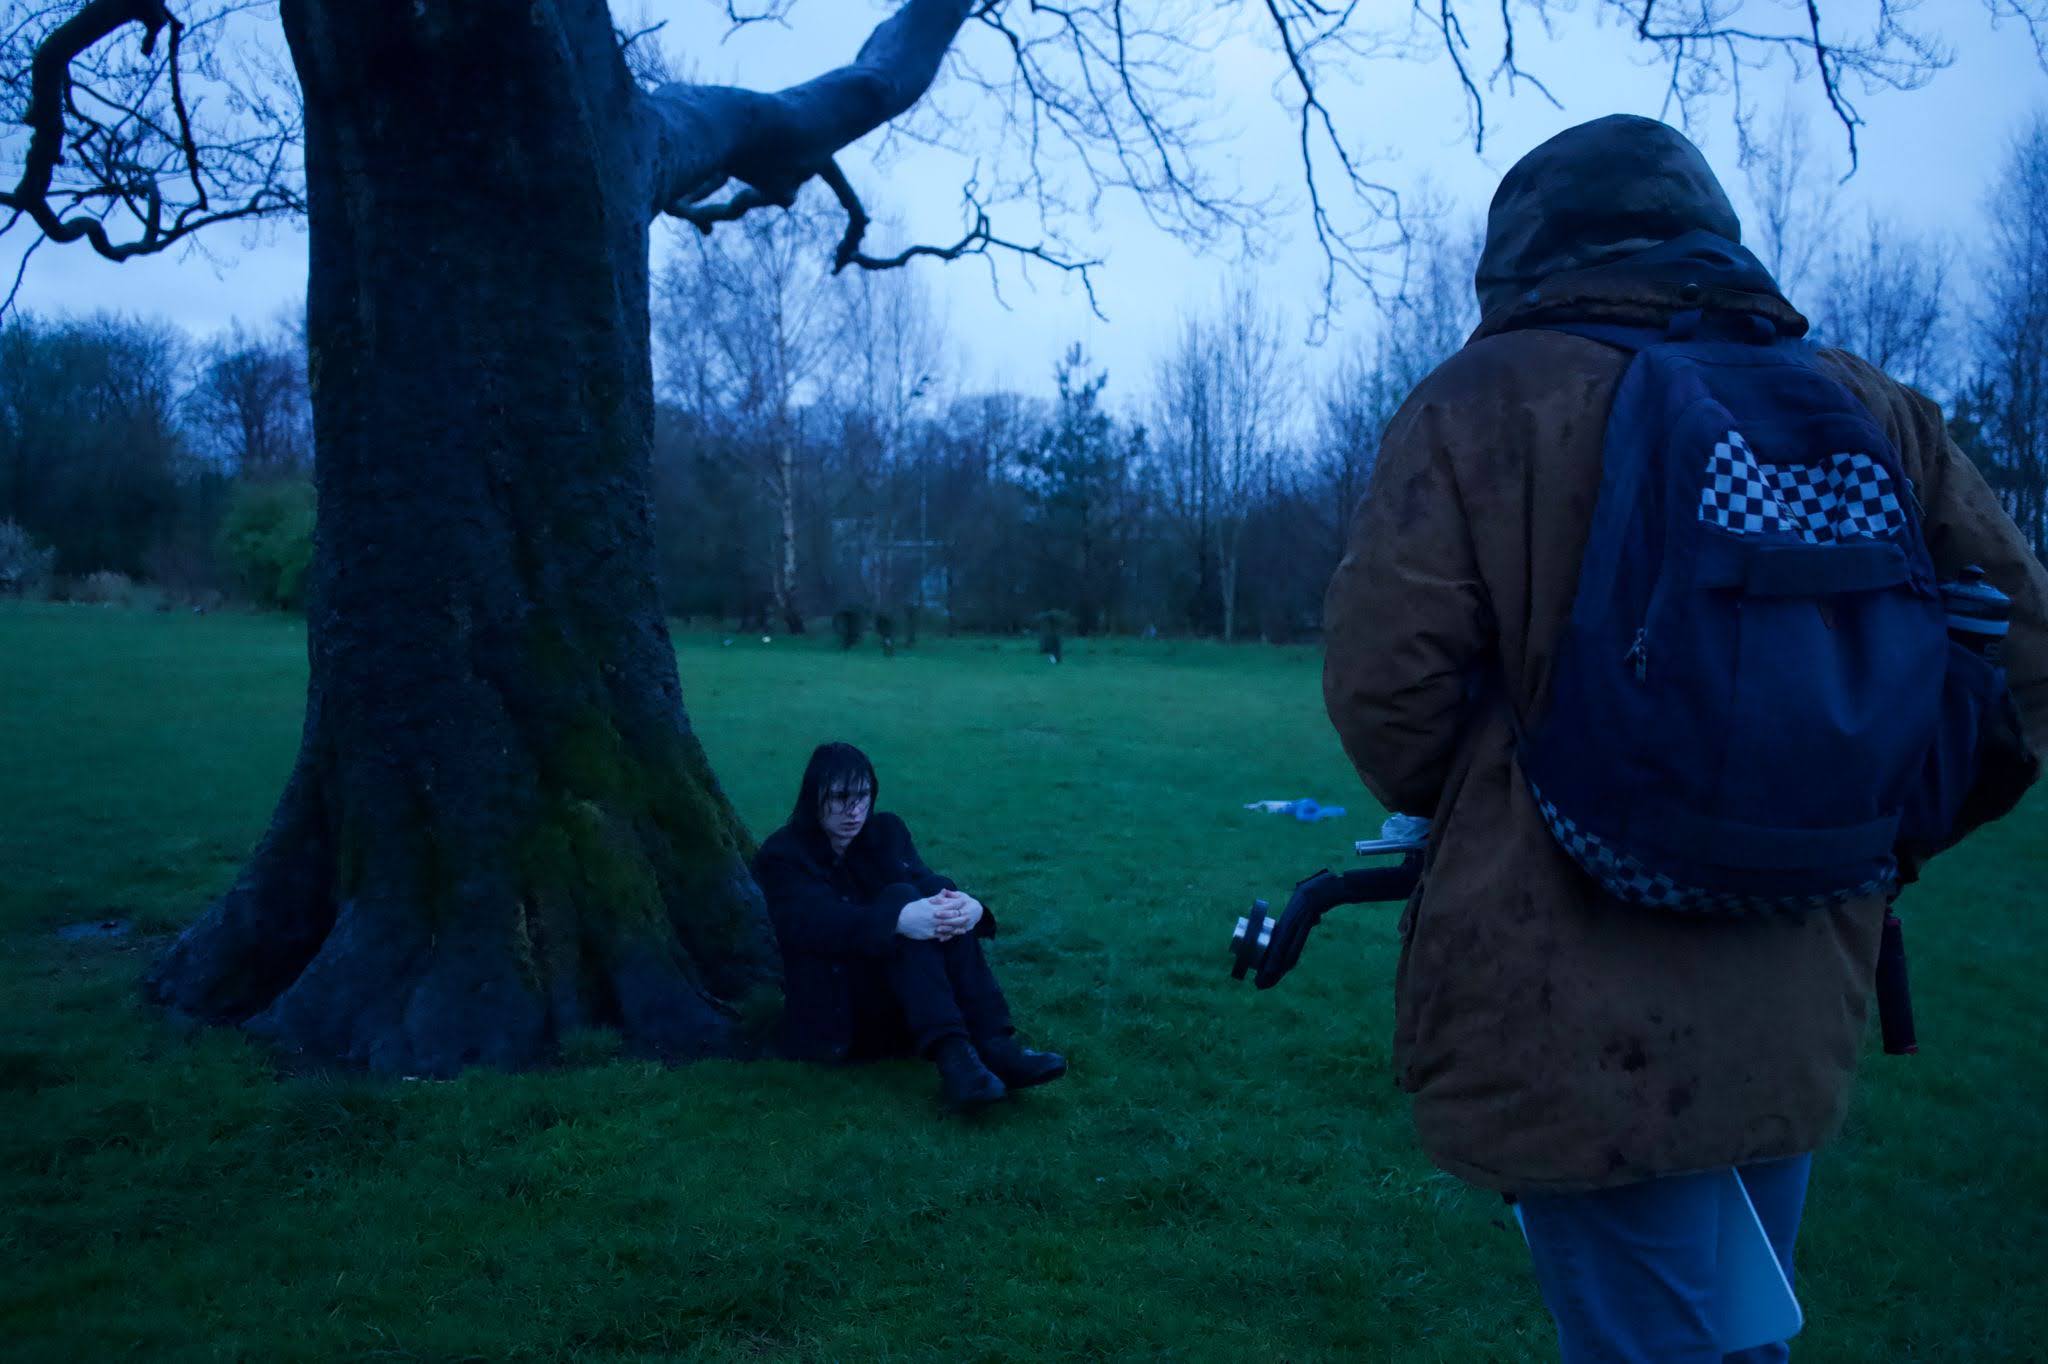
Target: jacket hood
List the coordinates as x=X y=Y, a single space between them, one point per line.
x=1600 y=194
x=1696 y=272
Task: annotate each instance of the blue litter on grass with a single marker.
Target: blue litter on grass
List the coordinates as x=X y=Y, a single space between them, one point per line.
x=1305 y=809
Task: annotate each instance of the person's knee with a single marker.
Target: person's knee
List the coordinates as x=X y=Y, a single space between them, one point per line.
x=964 y=960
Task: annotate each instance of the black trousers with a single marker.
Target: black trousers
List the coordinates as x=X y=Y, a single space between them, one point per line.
x=922 y=993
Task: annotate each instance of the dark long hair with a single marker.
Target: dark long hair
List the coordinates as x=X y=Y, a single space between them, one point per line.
x=833 y=768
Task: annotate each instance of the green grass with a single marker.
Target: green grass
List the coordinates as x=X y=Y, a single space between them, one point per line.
x=1225 y=1175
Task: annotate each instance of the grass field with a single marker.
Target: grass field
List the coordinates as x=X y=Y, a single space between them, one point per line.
x=1225 y=1175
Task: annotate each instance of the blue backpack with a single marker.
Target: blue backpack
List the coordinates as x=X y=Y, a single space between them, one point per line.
x=1744 y=702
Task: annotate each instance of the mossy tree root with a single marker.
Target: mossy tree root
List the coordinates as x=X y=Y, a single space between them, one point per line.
x=413 y=943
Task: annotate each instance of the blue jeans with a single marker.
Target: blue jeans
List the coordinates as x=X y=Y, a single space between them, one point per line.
x=1627 y=1272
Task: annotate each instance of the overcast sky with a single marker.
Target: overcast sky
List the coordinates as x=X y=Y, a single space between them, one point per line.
x=1927 y=159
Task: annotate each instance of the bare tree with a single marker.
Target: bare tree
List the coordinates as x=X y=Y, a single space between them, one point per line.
x=145 y=128
x=250 y=400
x=749 y=323
x=1794 y=203
x=1436 y=310
x=1187 y=423
x=500 y=825
x=2006 y=406
x=1253 y=414
x=888 y=362
x=1885 y=296
x=1417 y=332
x=1358 y=399
x=1222 y=411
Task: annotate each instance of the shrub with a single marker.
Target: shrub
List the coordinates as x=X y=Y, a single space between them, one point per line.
x=266 y=540
x=848 y=622
x=104 y=588
x=24 y=565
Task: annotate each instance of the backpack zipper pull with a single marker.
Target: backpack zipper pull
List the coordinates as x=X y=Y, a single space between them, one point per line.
x=1639 y=654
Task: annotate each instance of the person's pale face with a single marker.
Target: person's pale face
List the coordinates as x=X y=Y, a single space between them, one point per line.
x=844 y=814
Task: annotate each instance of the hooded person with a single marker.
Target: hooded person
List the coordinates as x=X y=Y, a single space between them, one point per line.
x=1604 y=1063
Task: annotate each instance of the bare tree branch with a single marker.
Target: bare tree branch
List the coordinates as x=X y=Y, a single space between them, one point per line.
x=704 y=217
x=1705 y=50
x=979 y=240
x=1095 y=97
x=1346 y=251
x=1091 y=98
x=641 y=48
x=2031 y=15
x=114 y=127
x=20 y=272
x=1120 y=96
x=774 y=142
x=739 y=16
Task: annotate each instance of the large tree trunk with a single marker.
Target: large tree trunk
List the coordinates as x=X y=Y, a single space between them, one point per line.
x=500 y=825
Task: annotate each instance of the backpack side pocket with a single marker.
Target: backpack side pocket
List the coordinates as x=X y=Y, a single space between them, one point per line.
x=1978 y=767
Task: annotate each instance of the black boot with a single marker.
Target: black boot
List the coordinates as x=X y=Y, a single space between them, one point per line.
x=963 y=1079
x=1019 y=1066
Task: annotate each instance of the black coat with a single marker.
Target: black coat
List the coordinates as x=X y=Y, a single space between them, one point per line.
x=833 y=917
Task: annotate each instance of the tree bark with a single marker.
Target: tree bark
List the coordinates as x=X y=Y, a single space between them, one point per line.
x=500 y=825
x=1228 y=590
x=786 y=603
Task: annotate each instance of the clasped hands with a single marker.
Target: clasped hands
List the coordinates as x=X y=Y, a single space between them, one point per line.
x=945 y=915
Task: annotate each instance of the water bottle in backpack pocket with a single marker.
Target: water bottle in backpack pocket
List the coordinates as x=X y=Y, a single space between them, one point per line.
x=1757 y=662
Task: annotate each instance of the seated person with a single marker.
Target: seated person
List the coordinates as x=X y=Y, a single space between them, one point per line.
x=881 y=955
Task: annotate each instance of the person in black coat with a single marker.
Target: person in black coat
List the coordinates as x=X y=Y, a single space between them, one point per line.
x=882 y=955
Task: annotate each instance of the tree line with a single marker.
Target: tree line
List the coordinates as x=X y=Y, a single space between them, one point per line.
x=1967 y=324
x=818 y=453
x=132 y=456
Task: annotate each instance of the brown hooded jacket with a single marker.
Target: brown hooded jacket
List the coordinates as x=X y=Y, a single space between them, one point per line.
x=1554 y=1039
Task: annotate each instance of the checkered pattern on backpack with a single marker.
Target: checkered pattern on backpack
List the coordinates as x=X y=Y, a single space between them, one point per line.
x=1627 y=879
x=1841 y=497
